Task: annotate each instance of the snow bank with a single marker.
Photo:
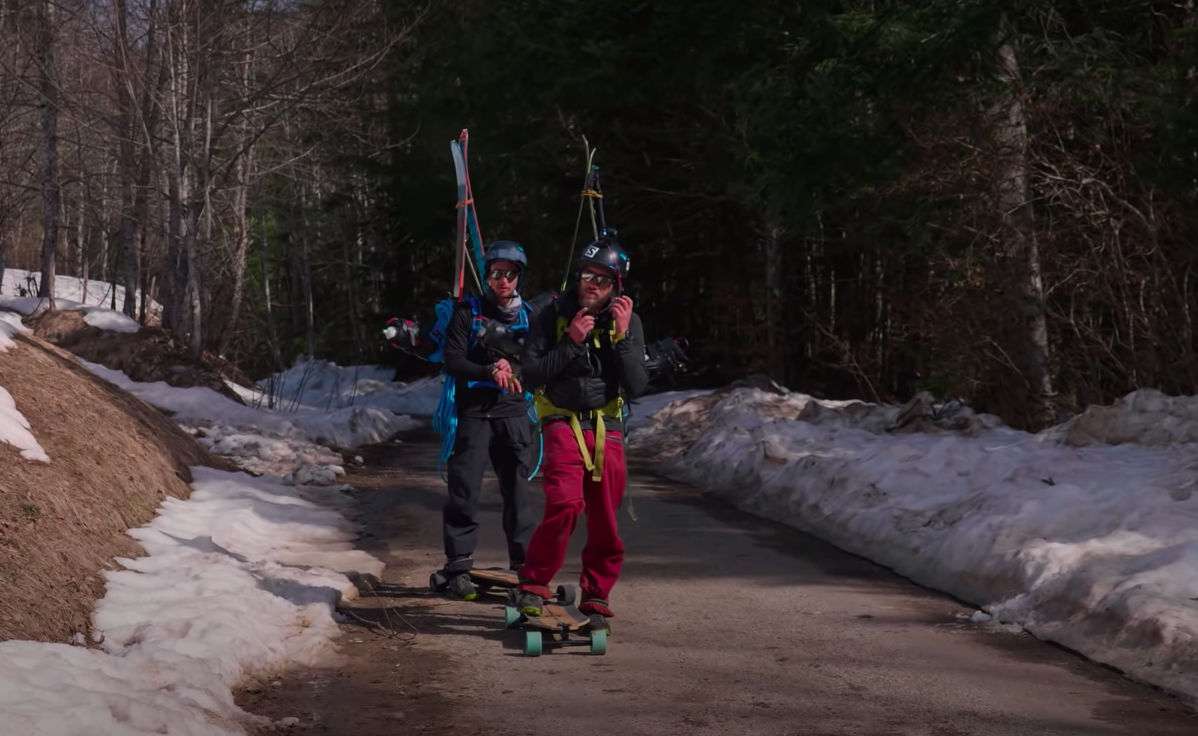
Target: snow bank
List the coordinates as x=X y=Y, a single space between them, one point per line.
x=69 y=288
x=292 y=459
x=348 y=427
x=105 y=319
x=15 y=430
x=323 y=385
x=70 y=295
x=1144 y=417
x=645 y=406
x=14 y=427
x=1094 y=547
x=241 y=580
x=10 y=327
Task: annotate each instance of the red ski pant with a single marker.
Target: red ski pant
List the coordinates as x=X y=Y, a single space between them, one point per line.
x=569 y=492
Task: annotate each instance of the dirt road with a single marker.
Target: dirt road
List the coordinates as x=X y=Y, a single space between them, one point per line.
x=726 y=624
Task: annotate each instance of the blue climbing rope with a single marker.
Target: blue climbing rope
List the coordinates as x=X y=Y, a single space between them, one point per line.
x=532 y=417
x=445 y=421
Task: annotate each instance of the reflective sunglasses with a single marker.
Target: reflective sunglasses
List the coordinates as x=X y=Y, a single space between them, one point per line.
x=497 y=274
x=600 y=281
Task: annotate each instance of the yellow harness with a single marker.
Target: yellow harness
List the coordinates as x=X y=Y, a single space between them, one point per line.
x=613 y=410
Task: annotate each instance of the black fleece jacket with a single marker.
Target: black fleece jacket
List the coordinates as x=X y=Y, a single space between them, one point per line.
x=583 y=377
x=464 y=364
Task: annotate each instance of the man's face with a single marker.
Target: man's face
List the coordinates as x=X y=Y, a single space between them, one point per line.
x=502 y=278
x=595 y=287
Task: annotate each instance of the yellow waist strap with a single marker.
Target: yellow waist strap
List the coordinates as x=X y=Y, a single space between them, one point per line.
x=546 y=409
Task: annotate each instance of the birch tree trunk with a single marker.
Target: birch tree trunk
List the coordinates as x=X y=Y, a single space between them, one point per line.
x=242 y=172
x=1019 y=251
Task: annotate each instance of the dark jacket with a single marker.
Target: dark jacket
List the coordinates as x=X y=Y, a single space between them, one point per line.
x=464 y=364
x=583 y=377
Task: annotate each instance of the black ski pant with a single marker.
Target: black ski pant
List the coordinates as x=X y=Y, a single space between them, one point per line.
x=508 y=444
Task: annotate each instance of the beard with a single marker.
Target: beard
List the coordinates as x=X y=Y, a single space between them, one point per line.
x=593 y=303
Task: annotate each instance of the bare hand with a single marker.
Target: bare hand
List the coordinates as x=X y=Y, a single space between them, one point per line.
x=508 y=382
x=501 y=366
x=621 y=309
x=581 y=326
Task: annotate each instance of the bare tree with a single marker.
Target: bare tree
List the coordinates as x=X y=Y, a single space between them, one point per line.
x=1019 y=251
x=46 y=31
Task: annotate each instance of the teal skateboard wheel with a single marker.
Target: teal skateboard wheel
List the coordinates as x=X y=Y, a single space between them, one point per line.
x=599 y=642
x=532 y=644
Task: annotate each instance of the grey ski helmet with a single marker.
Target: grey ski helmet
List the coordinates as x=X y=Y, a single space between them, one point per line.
x=506 y=250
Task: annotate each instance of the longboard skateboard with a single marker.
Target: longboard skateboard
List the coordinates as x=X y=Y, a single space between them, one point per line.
x=484 y=578
x=561 y=617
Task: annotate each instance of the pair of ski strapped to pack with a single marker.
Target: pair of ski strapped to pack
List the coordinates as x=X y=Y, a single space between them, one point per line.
x=445 y=418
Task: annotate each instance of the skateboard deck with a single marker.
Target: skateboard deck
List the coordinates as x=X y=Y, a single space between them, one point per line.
x=559 y=617
x=497 y=577
x=484 y=579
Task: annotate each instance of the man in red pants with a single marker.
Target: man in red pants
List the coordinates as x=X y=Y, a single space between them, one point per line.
x=587 y=352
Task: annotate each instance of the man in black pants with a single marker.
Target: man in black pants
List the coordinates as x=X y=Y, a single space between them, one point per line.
x=493 y=422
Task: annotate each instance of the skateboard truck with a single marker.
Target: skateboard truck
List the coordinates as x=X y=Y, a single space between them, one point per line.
x=558 y=617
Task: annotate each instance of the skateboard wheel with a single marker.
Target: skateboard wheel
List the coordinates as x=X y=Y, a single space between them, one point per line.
x=532 y=644
x=510 y=616
x=599 y=642
x=566 y=595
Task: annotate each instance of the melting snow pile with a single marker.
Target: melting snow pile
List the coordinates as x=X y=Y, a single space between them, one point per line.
x=325 y=386
x=70 y=294
x=241 y=581
x=643 y=407
x=1095 y=547
x=1144 y=417
x=291 y=445
x=10 y=326
x=14 y=427
x=348 y=427
x=292 y=459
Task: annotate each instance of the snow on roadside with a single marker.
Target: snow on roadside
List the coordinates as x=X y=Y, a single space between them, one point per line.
x=348 y=427
x=645 y=406
x=14 y=427
x=323 y=385
x=1144 y=417
x=240 y=581
x=292 y=459
x=1092 y=547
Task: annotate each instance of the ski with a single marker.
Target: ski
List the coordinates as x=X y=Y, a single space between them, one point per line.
x=459 y=246
x=472 y=226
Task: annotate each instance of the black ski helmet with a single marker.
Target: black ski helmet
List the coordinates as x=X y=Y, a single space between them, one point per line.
x=606 y=253
x=506 y=250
